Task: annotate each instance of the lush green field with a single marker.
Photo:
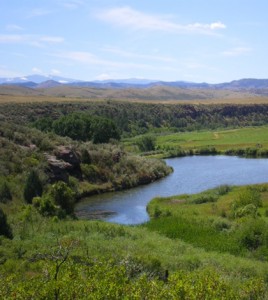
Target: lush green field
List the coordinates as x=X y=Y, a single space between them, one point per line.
x=215 y=219
x=241 y=138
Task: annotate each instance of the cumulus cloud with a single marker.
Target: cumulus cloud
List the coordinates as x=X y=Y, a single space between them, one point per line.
x=128 y=17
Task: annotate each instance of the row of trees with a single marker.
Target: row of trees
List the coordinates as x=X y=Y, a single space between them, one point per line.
x=82 y=127
x=138 y=118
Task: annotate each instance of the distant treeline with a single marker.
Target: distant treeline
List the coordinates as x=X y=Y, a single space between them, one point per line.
x=139 y=118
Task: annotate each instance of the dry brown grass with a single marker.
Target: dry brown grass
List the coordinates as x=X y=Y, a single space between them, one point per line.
x=53 y=99
x=157 y=94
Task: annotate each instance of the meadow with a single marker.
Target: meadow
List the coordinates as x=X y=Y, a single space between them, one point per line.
x=222 y=140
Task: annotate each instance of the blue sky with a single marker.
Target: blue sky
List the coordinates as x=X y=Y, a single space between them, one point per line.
x=171 y=40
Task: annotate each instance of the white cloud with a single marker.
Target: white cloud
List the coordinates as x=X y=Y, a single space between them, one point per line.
x=34 y=40
x=51 y=39
x=104 y=76
x=37 y=71
x=55 y=72
x=128 y=17
x=124 y=53
x=11 y=38
x=91 y=59
x=13 y=27
x=39 y=12
x=72 y=4
x=237 y=51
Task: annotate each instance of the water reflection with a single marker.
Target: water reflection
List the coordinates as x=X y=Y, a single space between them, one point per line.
x=191 y=175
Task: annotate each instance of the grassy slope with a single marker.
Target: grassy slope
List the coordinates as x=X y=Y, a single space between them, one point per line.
x=14 y=94
x=140 y=249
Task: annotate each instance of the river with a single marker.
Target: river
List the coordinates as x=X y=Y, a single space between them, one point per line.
x=191 y=174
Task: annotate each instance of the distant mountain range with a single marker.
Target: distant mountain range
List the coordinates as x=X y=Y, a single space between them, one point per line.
x=132 y=88
x=36 y=79
x=40 y=81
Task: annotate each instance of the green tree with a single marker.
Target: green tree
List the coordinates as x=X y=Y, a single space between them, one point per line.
x=4 y=226
x=43 y=124
x=33 y=187
x=103 y=130
x=5 y=193
x=63 y=195
x=72 y=126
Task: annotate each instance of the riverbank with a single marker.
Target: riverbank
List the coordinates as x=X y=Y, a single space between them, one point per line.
x=75 y=256
x=191 y=175
x=227 y=219
x=244 y=142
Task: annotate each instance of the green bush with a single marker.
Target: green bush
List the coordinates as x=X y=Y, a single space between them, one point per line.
x=204 y=199
x=33 y=187
x=5 y=193
x=46 y=206
x=247 y=203
x=63 y=196
x=253 y=234
x=5 y=229
x=146 y=143
x=223 y=189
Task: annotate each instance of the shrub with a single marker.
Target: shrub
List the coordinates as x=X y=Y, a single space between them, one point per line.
x=33 y=187
x=45 y=206
x=91 y=172
x=5 y=193
x=4 y=226
x=221 y=224
x=204 y=199
x=146 y=143
x=223 y=189
x=253 y=234
x=62 y=195
x=85 y=157
x=247 y=203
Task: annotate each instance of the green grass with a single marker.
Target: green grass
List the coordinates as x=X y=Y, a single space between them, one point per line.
x=206 y=220
x=221 y=140
x=127 y=261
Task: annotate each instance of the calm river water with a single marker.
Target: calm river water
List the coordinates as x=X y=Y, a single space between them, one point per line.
x=191 y=175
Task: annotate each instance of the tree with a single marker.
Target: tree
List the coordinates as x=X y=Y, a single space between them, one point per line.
x=72 y=126
x=5 y=194
x=33 y=187
x=4 y=226
x=103 y=130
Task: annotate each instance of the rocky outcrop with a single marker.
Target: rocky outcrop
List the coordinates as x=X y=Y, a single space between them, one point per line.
x=65 y=162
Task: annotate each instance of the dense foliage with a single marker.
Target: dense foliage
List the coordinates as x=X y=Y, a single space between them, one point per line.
x=138 y=118
x=81 y=127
